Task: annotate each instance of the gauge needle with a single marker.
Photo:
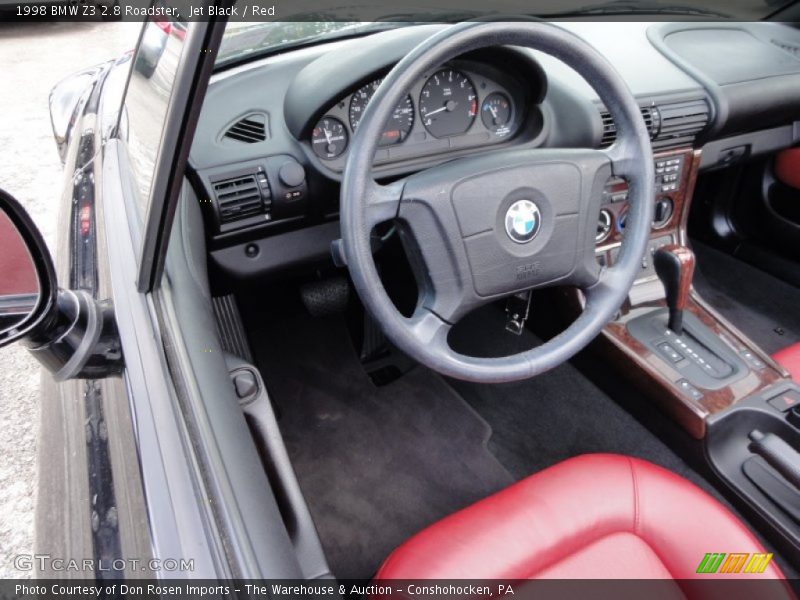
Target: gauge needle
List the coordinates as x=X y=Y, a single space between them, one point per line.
x=327 y=136
x=494 y=111
x=445 y=107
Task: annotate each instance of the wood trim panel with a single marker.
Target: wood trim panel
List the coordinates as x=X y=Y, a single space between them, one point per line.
x=657 y=377
x=681 y=200
x=653 y=375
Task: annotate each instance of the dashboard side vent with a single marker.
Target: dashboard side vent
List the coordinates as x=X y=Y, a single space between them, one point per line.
x=250 y=129
x=681 y=123
x=651 y=121
x=238 y=198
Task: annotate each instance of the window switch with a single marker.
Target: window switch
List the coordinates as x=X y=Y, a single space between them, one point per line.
x=689 y=390
x=671 y=353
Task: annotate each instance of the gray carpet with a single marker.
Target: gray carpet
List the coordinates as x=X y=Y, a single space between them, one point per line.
x=378 y=464
x=375 y=464
x=760 y=305
x=555 y=416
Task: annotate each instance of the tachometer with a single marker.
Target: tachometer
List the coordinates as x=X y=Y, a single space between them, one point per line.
x=399 y=125
x=448 y=103
x=329 y=138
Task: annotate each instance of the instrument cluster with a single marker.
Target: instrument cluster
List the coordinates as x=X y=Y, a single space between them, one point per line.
x=449 y=108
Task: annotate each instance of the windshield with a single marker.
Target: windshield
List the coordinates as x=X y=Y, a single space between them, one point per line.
x=243 y=39
x=338 y=20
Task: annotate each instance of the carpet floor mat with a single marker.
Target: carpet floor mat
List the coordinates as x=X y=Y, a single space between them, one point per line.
x=763 y=307
x=541 y=421
x=376 y=465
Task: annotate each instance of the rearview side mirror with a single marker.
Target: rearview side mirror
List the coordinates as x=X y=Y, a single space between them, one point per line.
x=72 y=334
x=28 y=285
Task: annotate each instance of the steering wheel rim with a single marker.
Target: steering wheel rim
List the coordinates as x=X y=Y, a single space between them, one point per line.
x=364 y=203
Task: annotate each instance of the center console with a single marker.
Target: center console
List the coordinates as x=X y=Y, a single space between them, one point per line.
x=717 y=384
x=709 y=365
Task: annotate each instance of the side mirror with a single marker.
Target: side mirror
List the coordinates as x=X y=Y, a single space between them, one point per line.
x=28 y=287
x=73 y=335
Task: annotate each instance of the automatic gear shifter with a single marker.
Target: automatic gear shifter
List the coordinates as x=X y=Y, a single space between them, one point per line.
x=675 y=267
x=702 y=358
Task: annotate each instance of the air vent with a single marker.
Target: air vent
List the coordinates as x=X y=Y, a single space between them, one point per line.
x=649 y=114
x=670 y=125
x=681 y=123
x=250 y=129
x=793 y=49
x=238 y=198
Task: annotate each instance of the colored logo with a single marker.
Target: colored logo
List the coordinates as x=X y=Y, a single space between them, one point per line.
x=523 y=221
x=719 y=562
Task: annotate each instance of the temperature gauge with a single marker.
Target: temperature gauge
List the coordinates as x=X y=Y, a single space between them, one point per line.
x=496 y=113
x=329 y=138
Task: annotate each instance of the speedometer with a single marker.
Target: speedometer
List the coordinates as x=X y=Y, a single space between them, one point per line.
x=400 y=123
x=448 y=103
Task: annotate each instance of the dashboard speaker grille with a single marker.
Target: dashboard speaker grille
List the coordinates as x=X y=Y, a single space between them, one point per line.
x=238 y=198
x=250 y=129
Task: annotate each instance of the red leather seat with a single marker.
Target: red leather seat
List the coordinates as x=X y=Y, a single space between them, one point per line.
x=787 y=167
x=592 y=517
x=789 y=359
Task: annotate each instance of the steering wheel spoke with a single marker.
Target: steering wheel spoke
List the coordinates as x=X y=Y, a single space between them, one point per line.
x=429 y=328
x=382 y=202
x=622 y=158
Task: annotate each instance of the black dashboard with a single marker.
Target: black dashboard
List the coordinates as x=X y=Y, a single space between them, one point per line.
x=274 y=134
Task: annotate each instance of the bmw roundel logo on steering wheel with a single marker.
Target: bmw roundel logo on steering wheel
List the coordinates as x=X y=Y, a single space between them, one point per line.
x=523 y=221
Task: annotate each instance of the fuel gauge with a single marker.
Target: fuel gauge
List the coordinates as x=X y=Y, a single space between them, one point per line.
x=496 y=113
x=329 y=138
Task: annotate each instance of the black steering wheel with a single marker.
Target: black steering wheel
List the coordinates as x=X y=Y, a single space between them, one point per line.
x=480 y=228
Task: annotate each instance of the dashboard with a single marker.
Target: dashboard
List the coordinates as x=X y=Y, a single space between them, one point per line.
x=274 y=134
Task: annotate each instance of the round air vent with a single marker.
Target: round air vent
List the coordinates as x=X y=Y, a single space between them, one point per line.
x=604 y=226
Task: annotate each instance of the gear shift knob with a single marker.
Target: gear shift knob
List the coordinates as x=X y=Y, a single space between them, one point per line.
x=675 y=267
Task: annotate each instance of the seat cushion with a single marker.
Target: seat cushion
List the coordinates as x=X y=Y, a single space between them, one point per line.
x=594 y=516
x=787 y=167
x=789 y=359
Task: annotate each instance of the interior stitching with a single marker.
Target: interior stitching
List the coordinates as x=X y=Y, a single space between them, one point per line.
x=635 y=498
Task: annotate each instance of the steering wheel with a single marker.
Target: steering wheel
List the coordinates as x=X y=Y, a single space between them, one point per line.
x=485 y=227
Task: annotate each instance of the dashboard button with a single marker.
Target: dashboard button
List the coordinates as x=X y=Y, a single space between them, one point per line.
x=689 y=390
x=785 y=400
x=671 y=353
